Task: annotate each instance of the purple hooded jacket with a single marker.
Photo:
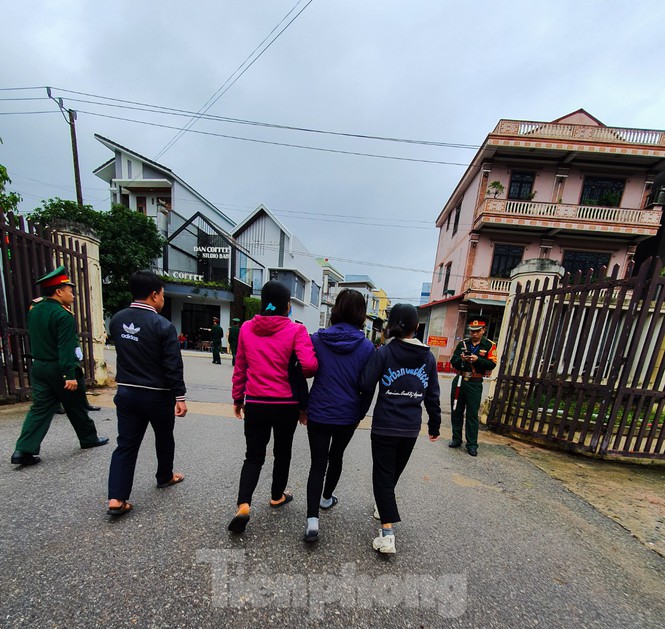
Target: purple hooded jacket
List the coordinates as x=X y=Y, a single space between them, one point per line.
x=342 y=351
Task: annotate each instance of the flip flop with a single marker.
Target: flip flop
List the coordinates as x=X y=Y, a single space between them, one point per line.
x=177 y=478
x=287 y=498
x=238 y=524
x=125 y=507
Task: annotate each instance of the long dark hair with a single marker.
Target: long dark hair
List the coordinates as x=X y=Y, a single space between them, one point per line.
x=403 y=321
x=275 y=298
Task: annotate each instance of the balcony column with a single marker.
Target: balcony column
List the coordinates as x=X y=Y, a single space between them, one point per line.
x=471 y=255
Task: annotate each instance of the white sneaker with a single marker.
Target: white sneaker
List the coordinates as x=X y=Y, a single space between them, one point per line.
x=384 y=544
x=376 y=513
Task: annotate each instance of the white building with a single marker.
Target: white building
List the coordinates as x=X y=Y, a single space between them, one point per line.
x=331 y=279
x=199 y=259
x=274 y=253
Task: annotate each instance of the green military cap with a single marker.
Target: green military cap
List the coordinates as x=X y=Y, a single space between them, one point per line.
x=57 y=277
x=236 y=320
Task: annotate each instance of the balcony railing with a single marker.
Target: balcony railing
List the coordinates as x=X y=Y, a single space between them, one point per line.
x=585 y=133
x=555 y=215
x=490 y=286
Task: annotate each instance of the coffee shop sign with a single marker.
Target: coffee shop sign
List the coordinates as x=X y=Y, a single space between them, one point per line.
x=214 y=253
x=179 y=275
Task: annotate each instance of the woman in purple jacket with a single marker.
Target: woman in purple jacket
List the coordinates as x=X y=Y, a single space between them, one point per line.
x=266 y=395
x=335 y=403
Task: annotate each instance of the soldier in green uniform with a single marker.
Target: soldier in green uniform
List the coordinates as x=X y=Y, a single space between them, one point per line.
x=473 y=356
x=232 y=338
x=216 y=336
x=56 y=373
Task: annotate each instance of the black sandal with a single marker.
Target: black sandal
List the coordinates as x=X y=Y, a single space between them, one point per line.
x=287 y=498
x=125 y=507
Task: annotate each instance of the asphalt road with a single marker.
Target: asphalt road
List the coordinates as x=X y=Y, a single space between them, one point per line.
x=485 y=542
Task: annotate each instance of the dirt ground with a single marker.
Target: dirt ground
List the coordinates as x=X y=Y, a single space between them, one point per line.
x=632 y=495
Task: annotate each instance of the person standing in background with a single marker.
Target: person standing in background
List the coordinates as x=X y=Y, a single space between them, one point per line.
x=216 y=336
x=232 y=338
x=472 y=357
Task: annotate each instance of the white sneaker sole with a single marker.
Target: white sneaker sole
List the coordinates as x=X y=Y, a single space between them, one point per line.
x=379 y=545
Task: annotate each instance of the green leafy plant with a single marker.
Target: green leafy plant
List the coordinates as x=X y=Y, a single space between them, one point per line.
x=128 y=241
x=252 y=307
x=496 y=188
x=8 y=200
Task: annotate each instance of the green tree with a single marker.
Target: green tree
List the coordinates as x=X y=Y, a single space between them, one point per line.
x=128 y=241
x=252 y=307
x=8 y=200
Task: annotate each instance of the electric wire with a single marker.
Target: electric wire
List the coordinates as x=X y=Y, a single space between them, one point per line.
x=285 y=144
x=159 y=109
x=222 y=90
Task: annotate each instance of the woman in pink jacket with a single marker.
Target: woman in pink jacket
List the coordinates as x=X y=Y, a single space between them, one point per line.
x=263 y=390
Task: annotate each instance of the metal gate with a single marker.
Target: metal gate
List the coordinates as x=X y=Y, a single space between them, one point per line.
x=27 y=252
x=583 y=365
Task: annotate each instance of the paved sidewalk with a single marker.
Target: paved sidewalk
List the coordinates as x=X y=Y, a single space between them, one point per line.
x=487 y=542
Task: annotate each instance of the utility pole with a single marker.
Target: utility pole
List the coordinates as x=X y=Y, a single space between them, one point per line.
x=71 y=121
x=75 y=155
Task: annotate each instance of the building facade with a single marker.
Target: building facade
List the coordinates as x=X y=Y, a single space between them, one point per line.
x=200 y=258
x=269 y=251
x=331 y=279
x=376 y=300
x=573 y=190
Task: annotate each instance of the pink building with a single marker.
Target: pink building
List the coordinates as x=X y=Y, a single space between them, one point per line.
x=571 y=190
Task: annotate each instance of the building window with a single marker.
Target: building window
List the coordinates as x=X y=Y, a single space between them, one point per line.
x=316 y=292
x=450 y=215
x=129 y=169
x=141 y=205
x=447 y=280
x=438 y=279
x=458 y=211
x=602 y=191
x=521 y=186
x=574 y=261
x=294 y=282
x=506 y=258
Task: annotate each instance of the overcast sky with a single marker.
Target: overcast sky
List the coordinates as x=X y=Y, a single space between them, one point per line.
x=415 y=69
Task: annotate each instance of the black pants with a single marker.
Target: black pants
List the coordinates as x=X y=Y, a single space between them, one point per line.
x=260 y=421
x=136 y=409
x=389 y=456
x=327 y=443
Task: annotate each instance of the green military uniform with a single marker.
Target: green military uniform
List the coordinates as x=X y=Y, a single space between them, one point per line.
x=217 y=334
x=234 y=333
x=467 y=388
x=53 y=341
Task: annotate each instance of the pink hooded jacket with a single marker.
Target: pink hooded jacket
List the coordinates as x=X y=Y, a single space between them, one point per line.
x=265 y=346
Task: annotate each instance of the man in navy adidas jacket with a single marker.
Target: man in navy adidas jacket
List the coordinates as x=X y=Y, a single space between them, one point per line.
x=151 y=389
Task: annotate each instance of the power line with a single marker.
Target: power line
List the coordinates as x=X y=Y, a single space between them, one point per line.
x=23 y=99
x=222 y=90
x=25 y=113
x=159 y=109
x=18 y=89
x=286 y=144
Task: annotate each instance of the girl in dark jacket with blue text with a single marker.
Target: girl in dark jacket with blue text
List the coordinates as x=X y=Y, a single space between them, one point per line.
x=335 y=403
x=405 y=370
